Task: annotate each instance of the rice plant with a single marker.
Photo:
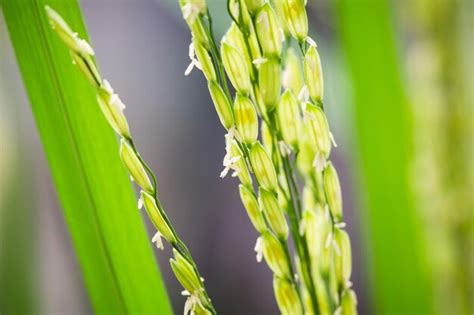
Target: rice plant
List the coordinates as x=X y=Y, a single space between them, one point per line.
x=183 y=265
x=258 y=57
x=118 y=269
x=402 y=93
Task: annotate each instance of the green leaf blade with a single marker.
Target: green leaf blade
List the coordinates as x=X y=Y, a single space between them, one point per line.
x=99 y=205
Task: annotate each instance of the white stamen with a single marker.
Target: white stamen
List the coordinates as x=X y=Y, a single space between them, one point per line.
x=285 y=149
x=107 y=87
x=311 y=41
x=140 y=203
x=85 y=47
x=228 y=164
x=229 y=161
x=191 y=51
x=232 y=133
x=194 y=61
x=116 y=102
x=319 y=162
x=131 y=178
x=259 y=249
x=157 y=240
x=188 y=306
x=331 y=136
x=197 y=64
x=286 y=78
x=259 y=61
x=190 y=12
x=303 y=96
x=189 y=69
x=340 y=225
x=192 y=301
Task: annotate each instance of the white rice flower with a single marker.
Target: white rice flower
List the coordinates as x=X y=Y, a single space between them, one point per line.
x=190 y=12
x=140 y=203
x=331 y=136
x=194 y=61
x=340 y=225
x=230 y=161
x=192 y=301
x=157 y=239
x=85 y=47
x=116 y=102
x=107 y=87
x=319 y=162
x=114 y=98
x=311 y=41
x=228 y=165
x=285 y=149
x=303 y=96
x=286 y=78
x=259 y=249
x=259 y=61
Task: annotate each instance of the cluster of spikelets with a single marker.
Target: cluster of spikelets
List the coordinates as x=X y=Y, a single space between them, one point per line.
x=183 y=266
x=257 y=57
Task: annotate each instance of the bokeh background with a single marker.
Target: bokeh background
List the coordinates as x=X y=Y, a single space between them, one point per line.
x=399 y=80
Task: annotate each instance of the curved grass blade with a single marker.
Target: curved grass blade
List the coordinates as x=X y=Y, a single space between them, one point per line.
x=99 y=207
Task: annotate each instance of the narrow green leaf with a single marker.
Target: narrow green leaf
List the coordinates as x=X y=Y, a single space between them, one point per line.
x=18 y=252
x=98 y=202
x=384 y=133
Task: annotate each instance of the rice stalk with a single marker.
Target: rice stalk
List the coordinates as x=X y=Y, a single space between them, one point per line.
x=183 y=265
x=255 y=55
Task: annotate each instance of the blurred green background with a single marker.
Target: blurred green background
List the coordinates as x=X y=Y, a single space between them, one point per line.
x=399 y=94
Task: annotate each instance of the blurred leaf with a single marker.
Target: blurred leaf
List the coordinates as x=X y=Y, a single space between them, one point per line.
x=98 y=201
x=384 y=132
x=18 y=254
